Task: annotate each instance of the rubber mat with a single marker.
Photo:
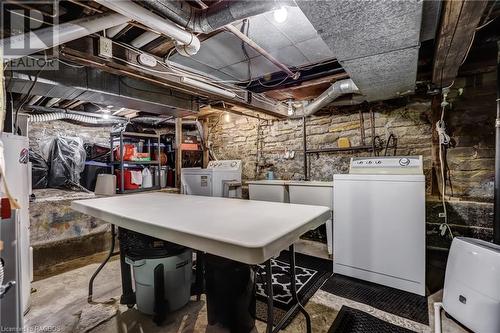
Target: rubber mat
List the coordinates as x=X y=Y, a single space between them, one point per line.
x=350 y=320
x=395 y=301
x=311 y=273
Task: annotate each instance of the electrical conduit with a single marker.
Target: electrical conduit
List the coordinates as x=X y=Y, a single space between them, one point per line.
x=49 y=37
x=187 y=43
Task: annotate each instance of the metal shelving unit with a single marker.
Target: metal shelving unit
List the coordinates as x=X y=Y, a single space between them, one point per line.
x=121 y=164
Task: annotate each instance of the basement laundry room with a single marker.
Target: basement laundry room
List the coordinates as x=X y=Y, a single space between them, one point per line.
x=319 y=166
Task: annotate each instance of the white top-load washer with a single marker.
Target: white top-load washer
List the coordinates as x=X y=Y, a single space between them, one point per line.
x=379 y=222
x=210 y=181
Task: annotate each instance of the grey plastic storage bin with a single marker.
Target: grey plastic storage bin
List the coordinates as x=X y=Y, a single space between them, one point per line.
x=177 y=273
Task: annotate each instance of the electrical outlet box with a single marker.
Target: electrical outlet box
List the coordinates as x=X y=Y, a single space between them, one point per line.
x=443 y=215
x=105 y=48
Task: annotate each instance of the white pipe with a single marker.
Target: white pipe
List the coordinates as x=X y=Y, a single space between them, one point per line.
x=34 y=99
x=144 y=39
x=112 y=32
x=52 y=101
x=437 y=317
x=207 y=87
x=49 y=37
x=187 y=41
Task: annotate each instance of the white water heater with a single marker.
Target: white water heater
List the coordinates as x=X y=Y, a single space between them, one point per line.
x=471 y=292
x=18 y=175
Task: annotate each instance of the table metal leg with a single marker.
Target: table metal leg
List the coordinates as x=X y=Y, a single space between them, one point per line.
x=269 y=287
x=294 y=288
x=128 y=295
x=200 y=274
x=101 y=266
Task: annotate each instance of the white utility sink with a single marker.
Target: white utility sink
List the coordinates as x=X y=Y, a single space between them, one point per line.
x=314 y=193
x=268 y=190
x=311 y=193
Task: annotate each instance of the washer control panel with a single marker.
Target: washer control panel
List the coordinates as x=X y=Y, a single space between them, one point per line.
x=387 y=165
x=225 y=165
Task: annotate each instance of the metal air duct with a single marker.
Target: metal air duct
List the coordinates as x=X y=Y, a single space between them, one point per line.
x=96 y=86
x=214 y=17
x=336 y=90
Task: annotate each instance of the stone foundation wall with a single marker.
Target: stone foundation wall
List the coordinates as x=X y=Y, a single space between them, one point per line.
x=470 y=123
x=89 y=134
x=411 y=124
x=52 y=219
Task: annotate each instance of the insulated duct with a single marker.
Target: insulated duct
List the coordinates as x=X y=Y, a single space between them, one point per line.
x=49 y=37
x=214 y=17
x=187 y=43
x=336 y=90
x=38 y=118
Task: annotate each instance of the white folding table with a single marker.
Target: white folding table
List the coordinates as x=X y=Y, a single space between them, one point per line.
x=247 y=231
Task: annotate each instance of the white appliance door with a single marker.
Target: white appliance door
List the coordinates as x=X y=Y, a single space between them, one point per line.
x=198 y=184
x=379 y=226
x=17 y=173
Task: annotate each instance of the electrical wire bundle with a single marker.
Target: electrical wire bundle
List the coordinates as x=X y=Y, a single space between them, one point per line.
x=444 y=142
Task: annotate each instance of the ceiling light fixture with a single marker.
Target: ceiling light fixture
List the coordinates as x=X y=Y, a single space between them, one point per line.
x=280 y=15
x=105 y=116
x=227 y=117
x=207 y=87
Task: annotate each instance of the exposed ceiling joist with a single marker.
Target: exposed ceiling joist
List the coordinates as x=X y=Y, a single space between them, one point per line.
x=306 y=90
x=83 y=52
x=460 y=19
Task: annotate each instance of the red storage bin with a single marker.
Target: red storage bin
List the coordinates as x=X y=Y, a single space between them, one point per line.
x=129 y=151
x=127 y=177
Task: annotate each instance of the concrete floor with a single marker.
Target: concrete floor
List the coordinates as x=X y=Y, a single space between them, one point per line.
x=59 y=304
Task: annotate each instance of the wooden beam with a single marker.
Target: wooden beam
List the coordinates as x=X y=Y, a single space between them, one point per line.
x=206 y=155
x=307 y=89
x=178 y=151
x=436 y=168
x=459 y=21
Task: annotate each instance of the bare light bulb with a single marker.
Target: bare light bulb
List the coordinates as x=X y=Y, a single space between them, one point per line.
x=280 y=15
x=105 y=116
x=227 y=117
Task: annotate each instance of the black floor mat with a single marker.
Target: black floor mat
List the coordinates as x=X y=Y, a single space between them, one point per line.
x=395 y=301
x=350 y=320
x=311 y=273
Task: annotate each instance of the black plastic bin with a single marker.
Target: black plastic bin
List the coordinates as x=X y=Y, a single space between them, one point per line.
x=230 y=290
